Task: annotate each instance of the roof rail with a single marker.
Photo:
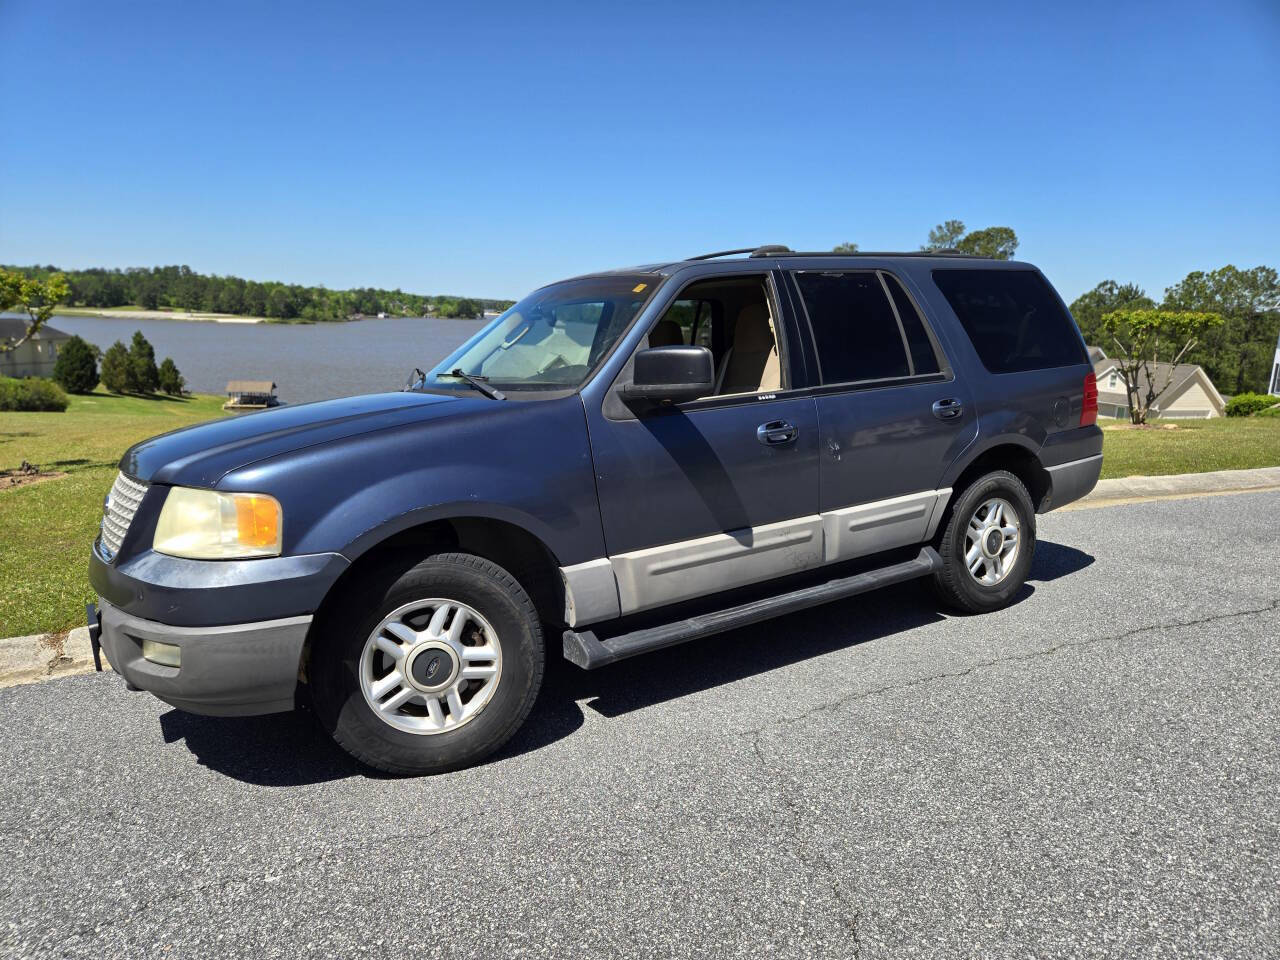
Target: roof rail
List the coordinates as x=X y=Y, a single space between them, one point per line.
x=778 y=250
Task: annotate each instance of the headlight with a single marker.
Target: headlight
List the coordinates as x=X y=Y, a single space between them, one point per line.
x=209 y=525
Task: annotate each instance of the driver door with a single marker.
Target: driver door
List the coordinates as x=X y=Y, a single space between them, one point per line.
x=722 y=491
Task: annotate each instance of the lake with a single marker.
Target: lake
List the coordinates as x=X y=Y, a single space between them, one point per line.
x=307 y=361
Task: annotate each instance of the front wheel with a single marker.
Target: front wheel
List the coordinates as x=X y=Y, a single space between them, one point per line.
x=987 y=544
x=429 y=671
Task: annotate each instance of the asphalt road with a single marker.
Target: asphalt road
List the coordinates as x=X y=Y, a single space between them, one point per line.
x=1092 y=772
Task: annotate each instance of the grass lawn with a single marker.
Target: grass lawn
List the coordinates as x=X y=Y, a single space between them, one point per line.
x=1196 y=446
x=46 y=528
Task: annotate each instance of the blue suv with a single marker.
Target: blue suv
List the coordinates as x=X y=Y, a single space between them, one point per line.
x=619 y=463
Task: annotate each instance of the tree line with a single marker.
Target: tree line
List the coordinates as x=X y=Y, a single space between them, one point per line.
x=1236 y=353
x=181 y=288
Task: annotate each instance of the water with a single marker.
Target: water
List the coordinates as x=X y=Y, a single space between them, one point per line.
x=307 y=361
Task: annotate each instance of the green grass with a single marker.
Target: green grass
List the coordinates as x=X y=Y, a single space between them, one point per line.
x=46 y=528
x=1196 y=446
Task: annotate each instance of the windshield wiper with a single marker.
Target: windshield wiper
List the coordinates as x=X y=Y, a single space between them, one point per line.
x=476 y=382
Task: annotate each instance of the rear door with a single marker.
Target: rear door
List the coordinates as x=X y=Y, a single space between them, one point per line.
x=891 y=413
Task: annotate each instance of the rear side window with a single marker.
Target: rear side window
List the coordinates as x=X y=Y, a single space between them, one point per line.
x=859 y=332
x=1013 y=318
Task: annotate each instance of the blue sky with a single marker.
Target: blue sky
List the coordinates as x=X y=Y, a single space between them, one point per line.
x=487 y=148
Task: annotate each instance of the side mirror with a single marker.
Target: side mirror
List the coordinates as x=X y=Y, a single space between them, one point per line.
x=671 y=375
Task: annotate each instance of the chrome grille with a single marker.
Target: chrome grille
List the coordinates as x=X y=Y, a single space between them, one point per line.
x=117 y=514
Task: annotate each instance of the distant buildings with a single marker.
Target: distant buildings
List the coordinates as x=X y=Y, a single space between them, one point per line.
x=1190 y=393
x=36 y=357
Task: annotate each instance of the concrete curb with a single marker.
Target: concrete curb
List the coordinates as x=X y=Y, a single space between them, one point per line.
x=44 y=655
x=1136 y=489
x=41 y=656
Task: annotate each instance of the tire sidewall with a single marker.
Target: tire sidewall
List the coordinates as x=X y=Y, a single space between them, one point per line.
x=341 y=704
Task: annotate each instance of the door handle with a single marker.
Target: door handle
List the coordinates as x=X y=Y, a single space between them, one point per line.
x=776 y=432
x=948 y=409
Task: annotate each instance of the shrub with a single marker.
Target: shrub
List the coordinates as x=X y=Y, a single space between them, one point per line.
x=1247 y=404
x=171 y=381
x=117 y=372
x=142 y=358
x=76 y=369
x=1269 y=412
x=31 y=394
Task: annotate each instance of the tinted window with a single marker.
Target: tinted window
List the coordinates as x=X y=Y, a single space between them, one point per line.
x=923 y=357
x=1013 y=317
x=854 y=327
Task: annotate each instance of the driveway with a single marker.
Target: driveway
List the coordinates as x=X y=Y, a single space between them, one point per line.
x=1094 y=771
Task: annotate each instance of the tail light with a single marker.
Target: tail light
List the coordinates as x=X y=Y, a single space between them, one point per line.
x=1089 y=409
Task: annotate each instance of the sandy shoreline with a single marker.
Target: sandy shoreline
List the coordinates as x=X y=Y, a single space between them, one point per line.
x=195 y=317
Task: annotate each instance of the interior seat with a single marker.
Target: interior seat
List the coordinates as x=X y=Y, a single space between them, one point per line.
x=666 y=333
x=751 y=364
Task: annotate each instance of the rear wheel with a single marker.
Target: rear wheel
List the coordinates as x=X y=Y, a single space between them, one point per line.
x=429 y=670
x=987 y=544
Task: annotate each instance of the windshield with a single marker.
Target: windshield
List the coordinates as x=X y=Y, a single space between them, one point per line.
x=552 y=339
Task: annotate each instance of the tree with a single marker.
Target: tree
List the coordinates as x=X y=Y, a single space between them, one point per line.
x=1106 y=297
x=171 y=381
x=76 y=369
x=117 y=372
x=999 y=243
x=1237 y=356
x=142 y=363
x=37 y=297
x=845 y=248
x=945 y=235
x=1143 y=338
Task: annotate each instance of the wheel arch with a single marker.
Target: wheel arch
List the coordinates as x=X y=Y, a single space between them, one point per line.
x=401 y=546
x=1014 y=454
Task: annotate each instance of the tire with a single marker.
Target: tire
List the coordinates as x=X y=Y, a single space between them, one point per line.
x=1005 y=572
x=384 y=631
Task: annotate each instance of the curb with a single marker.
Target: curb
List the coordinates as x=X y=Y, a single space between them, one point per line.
x=44 y=655
x=1177 y=486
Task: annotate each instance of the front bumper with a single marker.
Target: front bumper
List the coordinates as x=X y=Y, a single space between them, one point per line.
x=236 y=670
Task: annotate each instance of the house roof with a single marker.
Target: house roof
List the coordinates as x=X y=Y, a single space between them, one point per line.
x=12 y=328
x=250 y=386
x=1096 y=354
x=1183 y=374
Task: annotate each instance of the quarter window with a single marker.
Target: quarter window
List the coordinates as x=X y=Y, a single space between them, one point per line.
x=1013 y=318
x=864 y=328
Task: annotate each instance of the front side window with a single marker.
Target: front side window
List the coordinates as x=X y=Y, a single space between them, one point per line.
x=553 y=338
x=864 y=326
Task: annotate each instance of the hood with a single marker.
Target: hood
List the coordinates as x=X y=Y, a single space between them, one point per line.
x=203 y=454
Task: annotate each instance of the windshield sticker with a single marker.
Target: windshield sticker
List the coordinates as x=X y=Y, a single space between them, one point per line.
x=638 y=287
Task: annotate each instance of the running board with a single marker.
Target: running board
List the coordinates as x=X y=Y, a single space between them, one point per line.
x=588 y=651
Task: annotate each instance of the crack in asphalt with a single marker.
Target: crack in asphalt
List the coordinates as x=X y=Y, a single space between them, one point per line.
x=858 y=696
x=249 y=879
x=851 y=915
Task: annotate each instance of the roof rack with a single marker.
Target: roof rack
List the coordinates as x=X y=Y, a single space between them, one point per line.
x=778 y=250
x=730 y=253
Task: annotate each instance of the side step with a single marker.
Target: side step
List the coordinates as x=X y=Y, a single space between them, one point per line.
x=589 y=651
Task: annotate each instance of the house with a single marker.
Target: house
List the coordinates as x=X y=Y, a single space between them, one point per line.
x=250 y=395
x=1189 y=395
x=34 y=358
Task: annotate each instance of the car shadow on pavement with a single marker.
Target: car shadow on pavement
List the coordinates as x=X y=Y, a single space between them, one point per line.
x=291 y=749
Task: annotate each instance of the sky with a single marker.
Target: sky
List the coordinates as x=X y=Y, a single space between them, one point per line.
x=485 y=149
